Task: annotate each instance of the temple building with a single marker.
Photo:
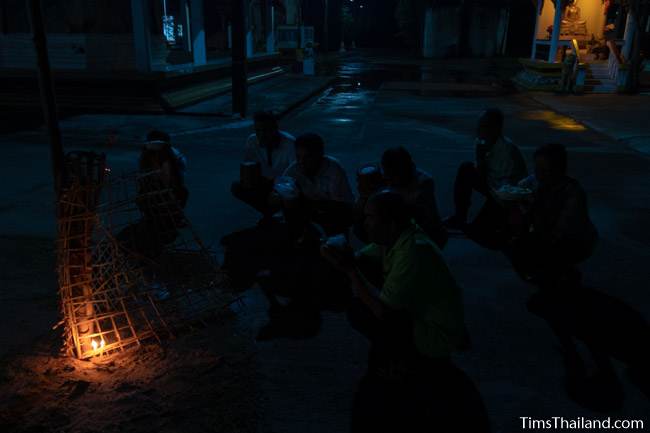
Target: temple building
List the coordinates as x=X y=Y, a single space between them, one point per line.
x=593 y=38
x=147 y=47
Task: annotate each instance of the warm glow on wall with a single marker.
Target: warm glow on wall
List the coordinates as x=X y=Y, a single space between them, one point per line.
x=592 y=11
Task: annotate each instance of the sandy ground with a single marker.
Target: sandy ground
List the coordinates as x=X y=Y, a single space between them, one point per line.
x=200 y=381
x=196 y=383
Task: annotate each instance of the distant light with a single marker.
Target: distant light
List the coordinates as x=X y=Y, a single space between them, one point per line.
x=361 y=6
x=358 y=83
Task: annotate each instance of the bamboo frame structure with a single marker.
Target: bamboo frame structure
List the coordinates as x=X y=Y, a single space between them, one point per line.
x=131 y=268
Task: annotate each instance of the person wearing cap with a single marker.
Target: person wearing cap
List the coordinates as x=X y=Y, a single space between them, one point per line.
x=269 y=151
x=499 y=163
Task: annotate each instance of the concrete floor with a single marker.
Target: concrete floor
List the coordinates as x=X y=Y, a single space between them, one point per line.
x=308 y=385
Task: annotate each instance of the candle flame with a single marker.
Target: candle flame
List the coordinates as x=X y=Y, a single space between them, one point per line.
x=96 y=345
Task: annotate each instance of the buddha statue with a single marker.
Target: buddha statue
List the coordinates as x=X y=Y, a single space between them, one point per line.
x=572 y=22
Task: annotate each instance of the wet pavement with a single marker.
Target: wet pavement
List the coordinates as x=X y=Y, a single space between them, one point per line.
x=515 y=362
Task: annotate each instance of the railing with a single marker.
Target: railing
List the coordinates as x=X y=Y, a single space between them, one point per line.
x=617 y=65
x=579 y=72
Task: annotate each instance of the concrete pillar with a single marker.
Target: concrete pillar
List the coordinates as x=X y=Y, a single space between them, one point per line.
x=270 y=27
x=199 y=54
x=183 y=19
x=292 y=10
x=141 y=34
x=249 y=42
x=427 y=43
x=555 y=37
x=533 y=52
x=630 y=30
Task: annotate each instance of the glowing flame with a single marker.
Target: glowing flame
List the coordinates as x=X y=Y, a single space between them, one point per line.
x=96 y=345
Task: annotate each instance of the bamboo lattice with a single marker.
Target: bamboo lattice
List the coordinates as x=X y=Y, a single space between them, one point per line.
x=130 y=266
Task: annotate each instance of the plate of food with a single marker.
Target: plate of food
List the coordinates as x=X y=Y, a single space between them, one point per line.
x=513 y=193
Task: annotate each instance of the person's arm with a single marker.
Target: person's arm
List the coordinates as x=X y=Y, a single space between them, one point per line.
x=572 y=217
x=519 y=170
x=367 y=293
x=340 y=187
x=426 y=215
x=481 y=150
x=397 y=292
x=346 y=261
x=250 y=154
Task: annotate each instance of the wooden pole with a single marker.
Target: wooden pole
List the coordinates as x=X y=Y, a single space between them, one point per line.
x=48 y=100
x=239 y=84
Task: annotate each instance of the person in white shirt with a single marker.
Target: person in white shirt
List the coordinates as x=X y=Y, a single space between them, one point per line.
x=324 y=193
x=499 y=162
x=314 y=191
x=273 y=151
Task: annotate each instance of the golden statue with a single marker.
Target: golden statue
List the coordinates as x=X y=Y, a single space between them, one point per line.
x=572 y=24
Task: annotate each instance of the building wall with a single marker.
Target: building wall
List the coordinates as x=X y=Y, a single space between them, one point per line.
x=446 y=23
x=70 y=51
x=486 y=30
x=98 y=34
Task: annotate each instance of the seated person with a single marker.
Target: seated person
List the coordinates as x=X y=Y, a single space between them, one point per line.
x=319 y=193
x=561 y=233
x=416 y=187
x=162 y=196
x=413 y=318
x=325 y=196
x=499 y=162
x=158 y=154
x=272 y=149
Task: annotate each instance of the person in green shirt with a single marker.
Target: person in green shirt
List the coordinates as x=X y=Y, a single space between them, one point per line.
x=410 y=308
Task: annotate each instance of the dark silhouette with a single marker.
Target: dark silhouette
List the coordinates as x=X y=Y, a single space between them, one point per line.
x=416 y=187
x=499 y=162
x=161 y=197
x=559 y=237
x=267 y=154
x=413 y=319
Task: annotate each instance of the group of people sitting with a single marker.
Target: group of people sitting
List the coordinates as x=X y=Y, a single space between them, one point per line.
x=397 y=289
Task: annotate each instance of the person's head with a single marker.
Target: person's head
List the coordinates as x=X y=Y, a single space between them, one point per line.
x=490 y=125
x=310 y=151
x=157 y=135
x=397 y=166
x=550 y=163
x=155 y=151
x=385 y=219
x=266 y=128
